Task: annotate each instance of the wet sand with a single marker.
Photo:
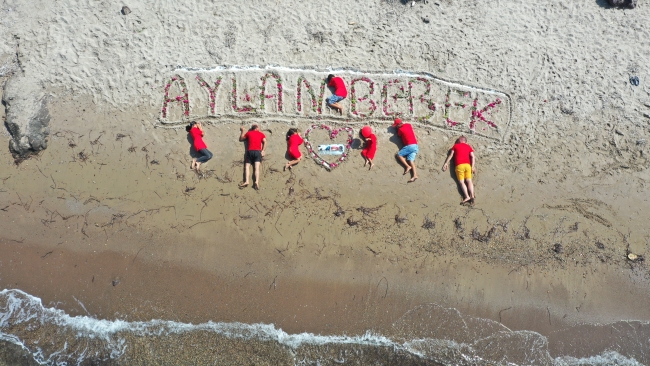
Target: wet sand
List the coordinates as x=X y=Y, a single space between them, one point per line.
x=117 y=236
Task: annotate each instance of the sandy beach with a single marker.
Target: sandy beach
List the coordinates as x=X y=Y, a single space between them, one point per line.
x=102 y=217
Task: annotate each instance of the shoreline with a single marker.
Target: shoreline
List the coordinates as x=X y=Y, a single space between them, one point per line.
x=371 y=296
x=108 y=221
x=118 y=286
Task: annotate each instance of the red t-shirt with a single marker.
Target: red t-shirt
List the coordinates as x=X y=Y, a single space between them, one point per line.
x=293 y=143
x=197 y=136
x=370 y=148
x=339 y=87
x=254 y=139
x=461 y=153
x=407 y=134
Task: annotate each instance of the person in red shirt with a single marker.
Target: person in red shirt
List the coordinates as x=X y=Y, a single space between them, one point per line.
x=256 y=143
x=294 y=140
x=195 y=129
x=407 y=154
x=369 y=146
x=340 y=92
x=465 y=161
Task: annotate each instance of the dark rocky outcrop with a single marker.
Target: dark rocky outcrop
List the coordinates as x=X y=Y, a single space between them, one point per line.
x=623 y=3
x=27 y=116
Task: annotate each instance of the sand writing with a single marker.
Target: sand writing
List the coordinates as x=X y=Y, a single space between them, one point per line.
x=182 y=99
x=333 y=133
x=282 y=93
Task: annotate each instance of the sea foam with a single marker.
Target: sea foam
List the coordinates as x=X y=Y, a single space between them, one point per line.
x=53 y=337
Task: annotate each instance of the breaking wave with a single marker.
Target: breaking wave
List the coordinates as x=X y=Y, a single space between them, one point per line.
x=427 y=335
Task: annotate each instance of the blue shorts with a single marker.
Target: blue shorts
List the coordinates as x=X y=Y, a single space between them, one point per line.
x=333 y=99
x=409 y=152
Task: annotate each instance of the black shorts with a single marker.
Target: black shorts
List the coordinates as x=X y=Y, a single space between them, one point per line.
x=253 y=156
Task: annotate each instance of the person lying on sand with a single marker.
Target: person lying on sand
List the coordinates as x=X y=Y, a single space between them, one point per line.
x=294 y=140
x=195 y=129
x=465 y=161
x=256 y=143
x=407 y=154
x=340 y=92
x=369 y=146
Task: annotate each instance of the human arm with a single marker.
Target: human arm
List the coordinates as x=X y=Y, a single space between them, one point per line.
x=263 y=146
x=472 y=162
x=242 y=137
x=200 y=127
x=446 y=164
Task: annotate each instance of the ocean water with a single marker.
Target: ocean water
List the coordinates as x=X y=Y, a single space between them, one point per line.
x=31 y=334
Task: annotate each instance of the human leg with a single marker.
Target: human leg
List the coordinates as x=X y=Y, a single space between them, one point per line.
x=463 y=187
x=339 y=107
x=468 y=181
x=414 y=171
x=470 y=188
x=294 y=158
x=291 y=163
x=406 y=156
x=256 y=185
x=247 y=168
x=333 y=102
x=205 y=156
x=364 y=154
x=402 y=161
x=464 y=174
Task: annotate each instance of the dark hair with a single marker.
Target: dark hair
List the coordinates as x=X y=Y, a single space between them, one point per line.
x=330 y=77
x=189 y=127
x=291 y=132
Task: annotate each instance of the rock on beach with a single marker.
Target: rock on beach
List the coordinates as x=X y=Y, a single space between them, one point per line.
x=623 y=3
x=28 y=117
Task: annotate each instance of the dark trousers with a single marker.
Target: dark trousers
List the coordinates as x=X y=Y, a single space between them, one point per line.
x=206 y=155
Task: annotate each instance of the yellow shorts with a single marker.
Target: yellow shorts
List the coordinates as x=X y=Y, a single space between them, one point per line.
x=463 y=171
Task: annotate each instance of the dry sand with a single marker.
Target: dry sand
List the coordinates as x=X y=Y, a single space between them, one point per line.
x=110 y=215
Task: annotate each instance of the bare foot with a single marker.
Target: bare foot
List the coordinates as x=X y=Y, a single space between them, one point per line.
x=466 y=200
x=412 y=180
x=285 y=167
x=193 y=166
x=371 y=165
x=406 y=170
x=256 y=186
x=365 y=163
x=243 y=184
x=197 y=166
